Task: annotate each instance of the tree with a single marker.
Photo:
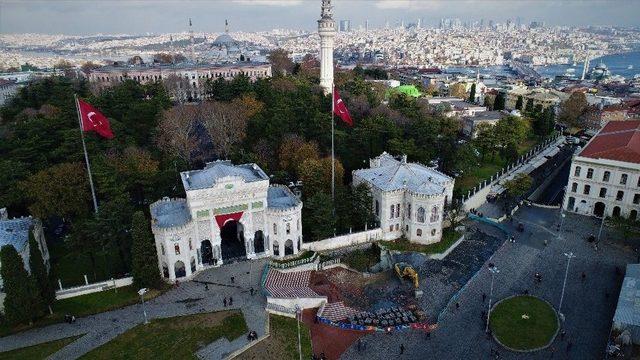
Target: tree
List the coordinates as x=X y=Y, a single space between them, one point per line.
x=361 y=211
x=60 y=190
x=572 y=109
x=529 y=107
x=499 y=102
x=455 y=214
x=472 y=93
x=144 y=260
x=316 y=175
x=39 y=273
x=510 y=152
x=225 y=125
x=319 y=222
x=458 y=90
x=177 y=87
x=518 y=186
x=294 y=150
x=626 y=227
x=485 y=140
x=88 y=66
x=176 y=132
x=519 y=102
x=22 y=303
x=280 y=61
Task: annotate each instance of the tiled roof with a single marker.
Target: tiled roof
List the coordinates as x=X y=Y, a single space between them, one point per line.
x=618 y=140
x=280 y=197
x=168 y=213
x=15 y=232
x=207 y=177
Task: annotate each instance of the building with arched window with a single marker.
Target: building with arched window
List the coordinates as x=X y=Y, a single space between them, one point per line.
x=605 y=175
x=230 y=212
x=409 y=198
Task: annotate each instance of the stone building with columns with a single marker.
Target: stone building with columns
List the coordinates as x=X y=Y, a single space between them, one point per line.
x=409 y=199
x=231 y=212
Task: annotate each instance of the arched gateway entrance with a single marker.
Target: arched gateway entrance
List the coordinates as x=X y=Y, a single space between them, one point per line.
x=207 y=252
x=233 y=245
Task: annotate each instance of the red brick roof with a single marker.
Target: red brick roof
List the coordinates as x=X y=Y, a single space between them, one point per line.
x=618 y=140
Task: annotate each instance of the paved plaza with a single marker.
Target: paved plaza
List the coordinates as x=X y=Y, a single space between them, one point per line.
x=588 y=306
x=186 y=299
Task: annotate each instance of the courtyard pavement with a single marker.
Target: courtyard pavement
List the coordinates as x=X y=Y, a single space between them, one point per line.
x=186 y=299
x=588 y=306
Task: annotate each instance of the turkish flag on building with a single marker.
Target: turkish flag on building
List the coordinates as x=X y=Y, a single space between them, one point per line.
x=340 y=109
x=93 y=120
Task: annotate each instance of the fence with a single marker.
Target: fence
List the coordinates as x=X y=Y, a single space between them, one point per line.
x=351 y=239
x=92 y=288
x=293 y=263
x=328 y=263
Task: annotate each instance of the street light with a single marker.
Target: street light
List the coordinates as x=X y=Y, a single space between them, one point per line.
x=494 y=270
x=569 y=256
x=562 y=216
x=141 y=292
x=298 y=311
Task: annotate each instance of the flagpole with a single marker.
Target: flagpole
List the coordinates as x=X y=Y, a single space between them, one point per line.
x=333 y=160
x=86 y=156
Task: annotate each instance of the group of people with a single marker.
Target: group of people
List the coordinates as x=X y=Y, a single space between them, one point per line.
x=69 y=319
x=252 y=335
x=226 y=302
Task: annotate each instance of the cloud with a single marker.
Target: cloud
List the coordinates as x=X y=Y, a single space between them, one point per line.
x=280 y=3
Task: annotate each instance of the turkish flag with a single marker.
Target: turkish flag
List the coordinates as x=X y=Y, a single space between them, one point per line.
x=340 y=109
x=94 y=120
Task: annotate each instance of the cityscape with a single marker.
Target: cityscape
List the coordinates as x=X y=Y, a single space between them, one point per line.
x=320 y=179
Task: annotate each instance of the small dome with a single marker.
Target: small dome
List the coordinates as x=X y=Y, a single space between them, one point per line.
x=225 y=40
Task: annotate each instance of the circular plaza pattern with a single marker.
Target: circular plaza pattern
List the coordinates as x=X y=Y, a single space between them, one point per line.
x=523 y=323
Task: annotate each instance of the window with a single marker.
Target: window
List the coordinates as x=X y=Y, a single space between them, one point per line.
x=574 y=187
x=288 y=228
x=433 y=232
x=377 y=208
x=409 y=211
x=636 y=199
x=162 y=248
x=576 y=172
x=638 y=185
x=177 y=249
x=390 y=227
x=434 y=214
x=419 y=232
x=397 y=227
x=275 y=229
x=421 y=214
x=620 y=195
x=606 y=176
x=190 y=246
x=587 y=189
x=623 y=179
x=398 y=210
x=590 y=173
x=393 y=210
x=603 y=192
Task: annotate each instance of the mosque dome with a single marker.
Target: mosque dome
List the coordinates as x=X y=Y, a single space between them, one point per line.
x=225 y=40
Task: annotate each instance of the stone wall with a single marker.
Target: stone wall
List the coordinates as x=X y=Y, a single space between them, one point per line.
x=363 y=237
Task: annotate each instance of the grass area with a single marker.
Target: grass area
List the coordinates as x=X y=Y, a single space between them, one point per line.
x=515 y=332
x=304 y=255
x=172 y=338
x=282 y=344
x=40 y=351
x=86 y=305
x=70 y=266
x=449 y=237
x=362 y=259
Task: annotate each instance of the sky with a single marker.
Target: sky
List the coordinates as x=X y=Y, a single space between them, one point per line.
x=84 y=17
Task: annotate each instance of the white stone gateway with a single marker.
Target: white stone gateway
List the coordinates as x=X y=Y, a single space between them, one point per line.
x=231 y=212
x=408 y=198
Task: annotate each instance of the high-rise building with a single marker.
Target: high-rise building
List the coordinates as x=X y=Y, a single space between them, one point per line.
x=327 y=32
x=345 y=25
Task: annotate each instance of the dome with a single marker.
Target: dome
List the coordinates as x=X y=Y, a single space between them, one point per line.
x=225 y=40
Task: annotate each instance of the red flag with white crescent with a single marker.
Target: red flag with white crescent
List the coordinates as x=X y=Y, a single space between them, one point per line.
x=94 y=120
x=340 y=109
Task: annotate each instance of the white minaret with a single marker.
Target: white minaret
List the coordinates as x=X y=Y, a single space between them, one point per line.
x=327 y=31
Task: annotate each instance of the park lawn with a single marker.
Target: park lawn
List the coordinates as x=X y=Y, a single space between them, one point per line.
x=449 y=237
x=37 y=352
x=70 y=266
x=482 y=172
x=282 y=343
x=512 y=330
x=362 y=259
x=172 y=338
x=84 y=305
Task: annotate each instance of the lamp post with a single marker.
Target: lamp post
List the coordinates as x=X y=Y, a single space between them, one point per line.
x=141 y=292
x=569 y=256
x=494 y=270
x=562 y=216
x=298 y=311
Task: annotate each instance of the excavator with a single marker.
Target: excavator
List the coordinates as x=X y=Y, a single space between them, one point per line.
x=406 y=271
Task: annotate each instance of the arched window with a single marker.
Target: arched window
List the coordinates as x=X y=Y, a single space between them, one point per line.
x=275 y=229
x=276 y=248
x=392 y=211
x=620 y=195
x=433 y=232
x=606 y=176
x=587 y=189
x=190 y=246
x=162 y=248
x=603 y=192
x=409 y=211
x=177 y=249
x=576 y=172
x=435 y=215
x=377 y=208
x=165 y=270
x=574 y=187
x=288 y=228
x=419 y=232
x=420 y=215
x=590 y=173
x=623 y=179
x=397 y=210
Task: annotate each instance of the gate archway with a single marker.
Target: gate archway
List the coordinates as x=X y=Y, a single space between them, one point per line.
x=207 y=252
x=598 y=209
x=233 y=244
x=258 y=242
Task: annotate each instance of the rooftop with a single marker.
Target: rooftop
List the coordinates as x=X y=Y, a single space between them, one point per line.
x=214 y=171
x=617 y=140
x=168 y=213
x=628 y=310
x=180 y=66
x=280 y=197
x=15 y=232
x=388 y=173
x=486 y=115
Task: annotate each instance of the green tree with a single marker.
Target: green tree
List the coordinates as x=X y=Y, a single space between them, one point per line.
x=529 y=107
x=518 y=187
x=458 y=90
x=361 y=206
x=572 y=109
x=318 y=219
x=39 y=272
x=22 y=303
x=144 y=260
x=510 y=152
x=485 y=140
x=499 y=102
x=626 y=227
x=519 y=102
x=472 y=93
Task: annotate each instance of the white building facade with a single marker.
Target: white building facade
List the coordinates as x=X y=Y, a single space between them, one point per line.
x=605 y=175
x=409 y=199
x=230 y=212
x=327 y=31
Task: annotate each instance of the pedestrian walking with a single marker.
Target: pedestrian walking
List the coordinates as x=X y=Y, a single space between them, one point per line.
x=584 y=276
x=428 y=335
x=224 y=301
x=546 y=242
x=230 y=301
x=562 y=334
x=457 y=305
x=359 y=344
x=206 y=287
x=569 y=346
x=484 y=297
x=401 y=349
x=233 y=280
x=251 y=291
